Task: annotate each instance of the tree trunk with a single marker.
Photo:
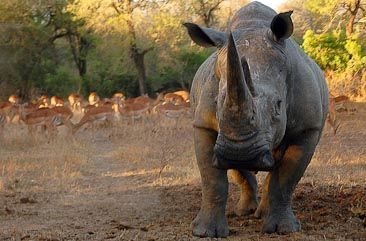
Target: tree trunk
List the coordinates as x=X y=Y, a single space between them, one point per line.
x=27 y=83
x=79 y=48
x=138 y=59
x=83 y=49
x=350 y=24
x=25 y=90
x=137 y=55
x=352 y=19
x=82 y=73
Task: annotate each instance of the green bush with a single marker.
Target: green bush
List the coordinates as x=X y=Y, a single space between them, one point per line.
x=61 y=82
x=343 y=59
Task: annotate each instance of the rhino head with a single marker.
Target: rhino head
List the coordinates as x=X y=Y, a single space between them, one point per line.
x=252 y=69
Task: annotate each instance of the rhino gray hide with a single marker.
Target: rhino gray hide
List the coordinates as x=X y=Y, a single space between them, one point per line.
x=260 y=104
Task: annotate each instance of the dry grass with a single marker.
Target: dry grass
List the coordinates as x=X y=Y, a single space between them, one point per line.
x=352 y=85
x=36 y=163
x=124 y=181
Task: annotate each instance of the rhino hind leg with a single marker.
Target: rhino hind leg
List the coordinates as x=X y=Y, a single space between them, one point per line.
x=247 y=184
x=282 y=182
x=211 y=220
x=262 y=209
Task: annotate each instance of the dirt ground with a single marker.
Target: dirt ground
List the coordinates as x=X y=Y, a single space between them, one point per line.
x=139 y=181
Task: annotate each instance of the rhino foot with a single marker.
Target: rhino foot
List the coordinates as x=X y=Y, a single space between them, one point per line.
x=244 y=208
x=210 y=225
x=282 y=223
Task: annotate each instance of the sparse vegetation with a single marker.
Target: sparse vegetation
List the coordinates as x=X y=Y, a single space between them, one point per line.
x=139 y=181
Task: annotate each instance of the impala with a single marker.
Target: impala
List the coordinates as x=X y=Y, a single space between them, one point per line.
x=118 y=97
x=105 y=102
x=184 y=94
x=332 y=117
x=2 y=118
x=99 y=113
x=145 y=100
x=173 y=98
x=75 y=101
x=170 y=110
x=56 y=101
x=65 y=115
x=44 y=117
x=9 y=110
x=2 y=122
x=336 y=103
x=93 y=99
x=43 y=101
x=14 y=99
x=340 y=102
x=134 y=110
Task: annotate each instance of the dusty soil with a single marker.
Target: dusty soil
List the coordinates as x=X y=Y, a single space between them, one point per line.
x=139 y=181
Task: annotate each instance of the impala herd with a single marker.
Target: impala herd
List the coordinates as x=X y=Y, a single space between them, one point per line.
x=49 y=113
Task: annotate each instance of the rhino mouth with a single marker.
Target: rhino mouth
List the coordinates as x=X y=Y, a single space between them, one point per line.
x=253 y=154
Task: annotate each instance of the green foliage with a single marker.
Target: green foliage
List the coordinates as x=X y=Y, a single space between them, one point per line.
x=57 y=47
x=60 y=82
x=190 y=60
x=333 y=51
x=322 y=7
x=336 y=43
x=342 y=58
x=327 y=49
x=180 y=75
x=111 y=84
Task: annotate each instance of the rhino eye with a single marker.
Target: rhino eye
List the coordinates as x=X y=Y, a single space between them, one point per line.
x=278 y=107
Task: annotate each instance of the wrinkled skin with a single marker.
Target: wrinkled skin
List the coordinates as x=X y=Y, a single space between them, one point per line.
x=259 y=104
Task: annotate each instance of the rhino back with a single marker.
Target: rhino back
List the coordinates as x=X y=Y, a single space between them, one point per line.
x=253 y=16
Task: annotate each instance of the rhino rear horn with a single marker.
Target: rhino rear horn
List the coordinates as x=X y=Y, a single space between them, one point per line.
x=247 y=76
x=282 y=26
x=237 y=89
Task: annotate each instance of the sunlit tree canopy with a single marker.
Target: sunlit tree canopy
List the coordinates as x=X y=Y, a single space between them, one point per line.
x=141 y=46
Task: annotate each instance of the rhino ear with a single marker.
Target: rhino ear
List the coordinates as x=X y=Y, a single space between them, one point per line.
x=205 y=37
x=282 y=26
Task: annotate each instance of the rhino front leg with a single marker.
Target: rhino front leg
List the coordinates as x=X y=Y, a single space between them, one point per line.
x=282 y=182
x=247 y=183
x=211 y=220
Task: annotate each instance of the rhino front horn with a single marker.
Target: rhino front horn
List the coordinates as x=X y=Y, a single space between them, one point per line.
x=237 y=89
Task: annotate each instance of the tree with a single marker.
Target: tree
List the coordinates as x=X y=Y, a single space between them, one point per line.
x=209 y=13
x=24 y=44
x=353 y=8
x=123 y=16
x=332 y=32
x=339 y=13
x=206 y=10
x=80 y=39
x=303 y=18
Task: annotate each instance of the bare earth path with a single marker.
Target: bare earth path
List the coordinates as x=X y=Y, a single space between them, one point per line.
x=140 y=182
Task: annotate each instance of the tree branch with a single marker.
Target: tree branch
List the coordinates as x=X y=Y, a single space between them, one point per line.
x=147 y=50
x=116 y=8
x=57 y=35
